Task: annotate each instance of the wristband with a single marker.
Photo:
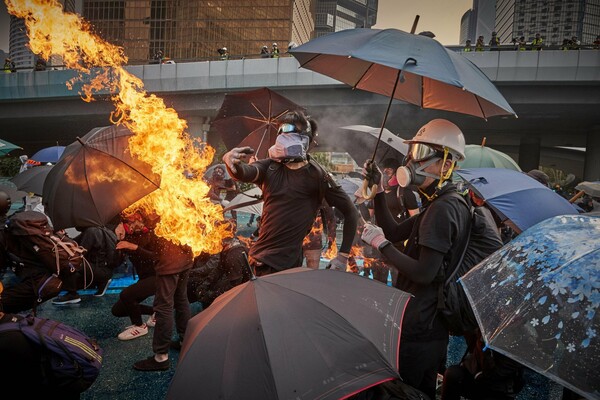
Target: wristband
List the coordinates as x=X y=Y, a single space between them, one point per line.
x=383 y=245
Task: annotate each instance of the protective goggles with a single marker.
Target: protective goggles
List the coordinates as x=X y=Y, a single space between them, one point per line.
x=421 y=152
x=286 y=128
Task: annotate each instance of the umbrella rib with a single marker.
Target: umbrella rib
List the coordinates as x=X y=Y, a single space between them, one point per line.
x=363 y=75
x=258 y=111
x=478 y=103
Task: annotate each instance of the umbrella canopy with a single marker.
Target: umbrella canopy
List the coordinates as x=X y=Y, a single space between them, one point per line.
x=537 y=300
x=515 y=196
x=16 y=196
x=480 y=156
x=589 y=188
x=393 y=146
x=210 y=170
x=48 y=154
x=412 y=68
x=249 y=201
x=7 y=147
x=32 y=179
x=296 y=334
x=350 y=185
x=96 y=179
x=252 y=118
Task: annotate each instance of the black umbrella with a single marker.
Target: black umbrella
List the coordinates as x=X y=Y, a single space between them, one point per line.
x=296 y=334
x=252 y=118
x=95 y=179
x=32 y=179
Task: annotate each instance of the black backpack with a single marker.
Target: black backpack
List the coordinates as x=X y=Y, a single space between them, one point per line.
x=32 y=242
x=482 y=240
x=71 y=360
x=213 y=275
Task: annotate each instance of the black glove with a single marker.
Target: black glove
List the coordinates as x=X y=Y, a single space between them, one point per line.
x=372 y=172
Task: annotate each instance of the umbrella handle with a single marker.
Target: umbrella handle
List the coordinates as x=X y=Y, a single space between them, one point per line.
x=578 y=195
x=365 y=190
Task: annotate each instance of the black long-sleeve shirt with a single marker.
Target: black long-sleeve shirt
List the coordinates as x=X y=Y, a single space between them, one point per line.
x=291 y=201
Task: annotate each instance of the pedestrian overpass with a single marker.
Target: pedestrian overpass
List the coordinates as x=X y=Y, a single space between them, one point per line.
x=556 y=95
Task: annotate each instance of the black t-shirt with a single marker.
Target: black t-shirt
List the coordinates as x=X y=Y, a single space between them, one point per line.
x=442 y=226
x=400 y=200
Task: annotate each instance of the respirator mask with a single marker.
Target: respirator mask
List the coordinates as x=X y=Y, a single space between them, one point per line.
x=412 y=173
x=290 y=146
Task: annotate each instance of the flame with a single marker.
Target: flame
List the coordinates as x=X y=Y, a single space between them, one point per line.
x=331 y=252
x=357 y=252
x=188 y=217
x=316 y=230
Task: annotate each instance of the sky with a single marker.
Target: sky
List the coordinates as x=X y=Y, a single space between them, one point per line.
x=442 y=17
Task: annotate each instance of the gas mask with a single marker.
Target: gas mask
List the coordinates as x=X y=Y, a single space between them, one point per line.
x=413 y=174
x=290 y=146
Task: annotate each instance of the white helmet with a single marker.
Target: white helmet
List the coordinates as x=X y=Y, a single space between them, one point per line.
x=443 y=133
x=225 y=48
x=275 y=44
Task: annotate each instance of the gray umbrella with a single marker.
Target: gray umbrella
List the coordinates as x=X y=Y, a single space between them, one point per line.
x=32 y=180
x=296 y=334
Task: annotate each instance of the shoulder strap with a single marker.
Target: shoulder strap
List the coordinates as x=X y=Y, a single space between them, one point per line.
x=325 y=179
x=466 y=242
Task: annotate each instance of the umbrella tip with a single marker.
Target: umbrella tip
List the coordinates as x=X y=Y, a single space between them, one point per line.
x=483 y=141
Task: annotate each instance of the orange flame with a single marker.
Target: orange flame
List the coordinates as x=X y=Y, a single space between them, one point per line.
x=316 y=230
x=160 y=137
x=331 y=252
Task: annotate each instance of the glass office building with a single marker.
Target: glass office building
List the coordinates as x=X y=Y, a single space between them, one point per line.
x=554 y=20
x=195 y=29
x=334 y=16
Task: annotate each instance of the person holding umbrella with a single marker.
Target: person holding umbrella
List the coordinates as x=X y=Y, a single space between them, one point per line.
x=293 y=187
x=435 y=236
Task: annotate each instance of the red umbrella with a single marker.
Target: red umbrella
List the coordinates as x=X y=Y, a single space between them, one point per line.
x=252 y=118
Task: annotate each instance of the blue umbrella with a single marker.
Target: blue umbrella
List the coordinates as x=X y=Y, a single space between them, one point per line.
x=48 y=154
x=413 y=68
x=515 y=196
x=537 y=300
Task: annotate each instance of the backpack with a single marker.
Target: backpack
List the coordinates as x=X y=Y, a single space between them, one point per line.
x=482 y=240
x=38 y=245
x=70 y=359
x=213 y=275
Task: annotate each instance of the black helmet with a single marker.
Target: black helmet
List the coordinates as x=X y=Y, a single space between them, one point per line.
x=5 y=203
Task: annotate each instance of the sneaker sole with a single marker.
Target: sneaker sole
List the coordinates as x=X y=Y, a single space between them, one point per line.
x=124 y=339
x=62 y=303
x=105 y=289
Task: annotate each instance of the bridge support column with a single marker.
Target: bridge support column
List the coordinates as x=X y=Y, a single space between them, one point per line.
x=198 y=127
x=529 y=153
x=591 y=166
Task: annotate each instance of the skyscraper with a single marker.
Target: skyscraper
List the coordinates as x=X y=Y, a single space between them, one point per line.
x=554 y=20
x=192 y=29
x=337 y=15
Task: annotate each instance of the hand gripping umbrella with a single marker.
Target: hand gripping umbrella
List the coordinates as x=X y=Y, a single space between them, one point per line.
x=296 y=334
x=96 y=179
x=412 y=68
x=251 y=119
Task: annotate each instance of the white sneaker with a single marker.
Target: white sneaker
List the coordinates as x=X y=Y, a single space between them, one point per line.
x=151 y=322
x=133 y=332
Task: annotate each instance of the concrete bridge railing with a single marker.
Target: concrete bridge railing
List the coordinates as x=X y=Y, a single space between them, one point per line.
x=501 y=67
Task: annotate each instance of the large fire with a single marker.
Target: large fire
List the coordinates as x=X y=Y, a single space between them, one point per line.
x=187 y=215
